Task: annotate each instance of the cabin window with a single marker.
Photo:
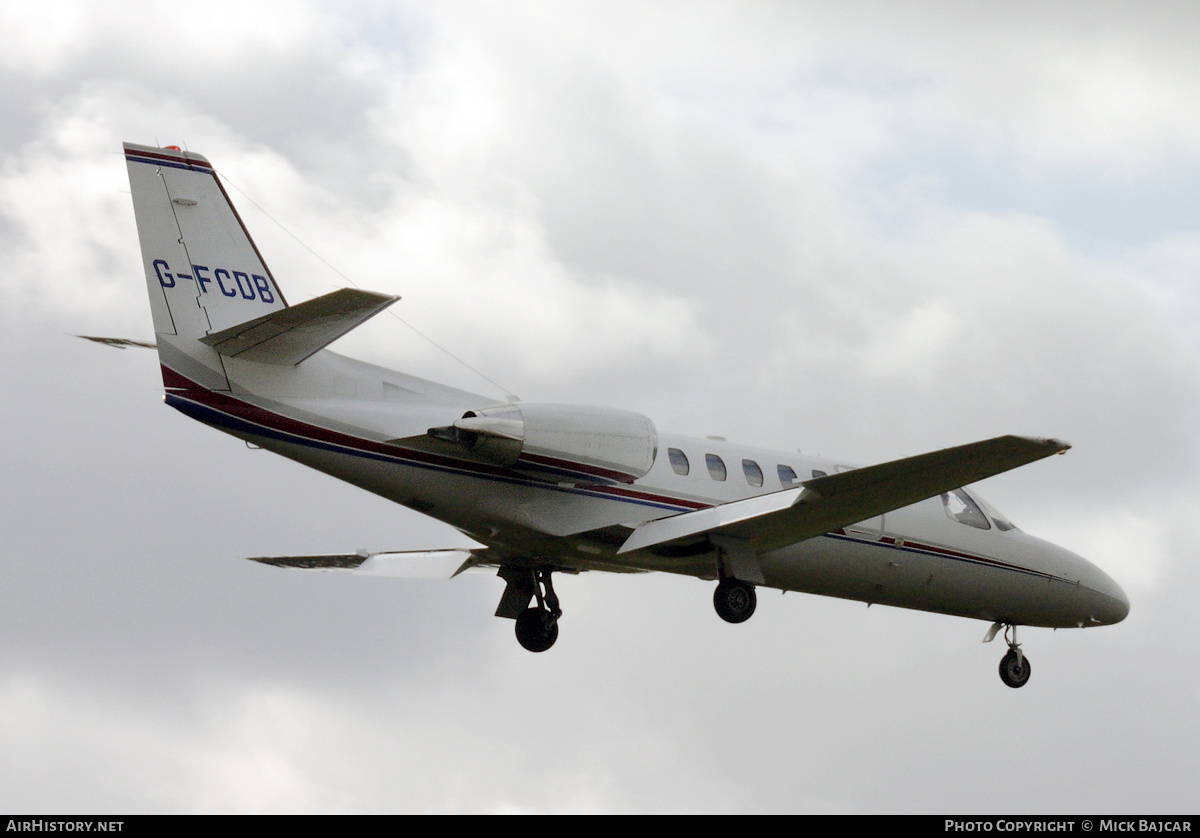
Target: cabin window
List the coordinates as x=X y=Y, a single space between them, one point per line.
x=679 y=461
x=818 y=473
x=959 y=507
x=754 y=475
x=716 y=467
x=787 y=476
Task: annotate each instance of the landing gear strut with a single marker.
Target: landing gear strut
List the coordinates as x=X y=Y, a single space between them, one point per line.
x=734 y=600
x=537 y=626
x=1014 y=666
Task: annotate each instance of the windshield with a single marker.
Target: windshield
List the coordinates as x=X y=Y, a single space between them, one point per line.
x=1000 y=520
x=959 y=507
x=969 y=510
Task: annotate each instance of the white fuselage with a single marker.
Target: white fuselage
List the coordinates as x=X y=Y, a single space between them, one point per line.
x=368 y=426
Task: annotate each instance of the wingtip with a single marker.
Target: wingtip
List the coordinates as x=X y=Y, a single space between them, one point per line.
x=1055 y=446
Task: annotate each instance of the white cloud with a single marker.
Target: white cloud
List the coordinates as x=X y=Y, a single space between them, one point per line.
x=706 y=211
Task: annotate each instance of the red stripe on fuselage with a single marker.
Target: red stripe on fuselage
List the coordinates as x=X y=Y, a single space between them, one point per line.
x=904 y=544
x=278 y=422
x=569 y=465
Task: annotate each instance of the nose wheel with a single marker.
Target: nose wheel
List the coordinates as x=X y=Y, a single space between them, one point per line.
x=1014 y=666
x=1014 y=669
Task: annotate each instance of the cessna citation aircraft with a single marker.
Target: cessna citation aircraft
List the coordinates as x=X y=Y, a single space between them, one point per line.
x=552 y=488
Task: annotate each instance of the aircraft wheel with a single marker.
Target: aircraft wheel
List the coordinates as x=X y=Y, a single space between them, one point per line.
x=536 y=629
x=1014 y=672
x=734 y=600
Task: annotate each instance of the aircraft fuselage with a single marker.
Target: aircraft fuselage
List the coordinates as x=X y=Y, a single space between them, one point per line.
x=915 y=557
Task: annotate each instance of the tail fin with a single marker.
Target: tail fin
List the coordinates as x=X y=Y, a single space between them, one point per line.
x=203 y=271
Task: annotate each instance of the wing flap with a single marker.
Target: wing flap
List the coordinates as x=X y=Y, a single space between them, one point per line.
x=288 y=336
x=828 y=503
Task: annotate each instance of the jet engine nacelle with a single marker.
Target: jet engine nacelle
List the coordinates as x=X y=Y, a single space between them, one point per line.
x=562 y=440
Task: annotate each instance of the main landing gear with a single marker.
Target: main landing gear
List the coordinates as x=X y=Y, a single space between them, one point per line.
x=1014 y=666
x=537 y=626
x=734 y=600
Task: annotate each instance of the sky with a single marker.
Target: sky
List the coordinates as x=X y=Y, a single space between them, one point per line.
x=852 y=229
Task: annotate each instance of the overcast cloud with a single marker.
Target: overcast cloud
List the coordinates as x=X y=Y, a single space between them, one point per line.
x=851 y=228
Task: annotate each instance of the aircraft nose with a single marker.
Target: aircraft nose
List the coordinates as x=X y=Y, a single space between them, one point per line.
x=1109 y=602
x=1098 y=599
x=1118 y=604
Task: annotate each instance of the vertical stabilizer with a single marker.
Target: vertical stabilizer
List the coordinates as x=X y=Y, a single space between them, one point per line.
x=203 y=272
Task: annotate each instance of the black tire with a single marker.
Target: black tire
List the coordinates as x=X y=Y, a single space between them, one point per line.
x=734 y=600
x=1014 y=672
x=536 y=629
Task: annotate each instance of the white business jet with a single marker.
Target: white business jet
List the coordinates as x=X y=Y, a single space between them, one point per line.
x=561 y=488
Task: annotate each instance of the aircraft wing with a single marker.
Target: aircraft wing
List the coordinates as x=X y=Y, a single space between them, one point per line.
x=418 y=564
x=828 y=503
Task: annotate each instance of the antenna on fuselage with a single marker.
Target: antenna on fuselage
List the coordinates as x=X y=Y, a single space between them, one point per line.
x=508 y=394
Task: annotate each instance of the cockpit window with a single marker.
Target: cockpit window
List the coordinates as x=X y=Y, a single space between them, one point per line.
x=787 y=476
x=679 y=461
x=716 y=466
x=959 y=507
x=754 y=475
x=1002 y=523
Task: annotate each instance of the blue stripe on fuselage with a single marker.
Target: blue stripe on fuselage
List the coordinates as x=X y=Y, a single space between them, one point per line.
x=219 y=419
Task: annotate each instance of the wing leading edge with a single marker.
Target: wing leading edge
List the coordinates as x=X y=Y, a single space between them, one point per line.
x=828 y=503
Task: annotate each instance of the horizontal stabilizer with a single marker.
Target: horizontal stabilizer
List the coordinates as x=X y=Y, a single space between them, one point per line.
x=288 y=336
x=416 y=564
x=120 y=343
x=828 y=503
